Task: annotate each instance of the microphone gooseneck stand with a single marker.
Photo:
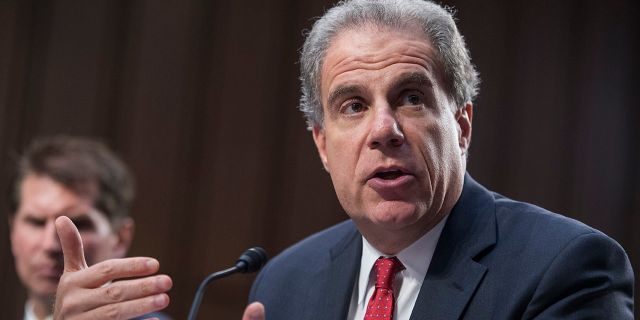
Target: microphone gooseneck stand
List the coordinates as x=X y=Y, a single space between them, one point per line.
x=250 y=261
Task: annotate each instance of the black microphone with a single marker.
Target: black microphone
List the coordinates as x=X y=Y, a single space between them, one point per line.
x=250 y=261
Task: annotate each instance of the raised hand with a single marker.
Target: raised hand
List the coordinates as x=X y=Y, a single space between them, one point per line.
x=93 y=292
x=254 y=311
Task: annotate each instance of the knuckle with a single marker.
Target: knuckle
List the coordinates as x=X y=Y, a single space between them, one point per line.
x=114 y=293
x=146 y=287
x=66 y=307
x=106 y=269
x=112 y=312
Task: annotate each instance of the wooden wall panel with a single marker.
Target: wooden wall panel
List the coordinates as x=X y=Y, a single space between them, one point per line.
x=15 y=25
x=200 y=98
x=72 y=72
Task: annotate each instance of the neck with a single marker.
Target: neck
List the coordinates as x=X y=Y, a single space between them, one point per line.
x=42 y=307
x=391 y=242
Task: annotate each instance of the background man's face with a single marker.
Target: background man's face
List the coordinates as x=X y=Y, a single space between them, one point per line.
x=392 y=140
x=34 y=242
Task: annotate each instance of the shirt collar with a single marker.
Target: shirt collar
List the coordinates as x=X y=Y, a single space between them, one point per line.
x=415 y=258
x=29 y=314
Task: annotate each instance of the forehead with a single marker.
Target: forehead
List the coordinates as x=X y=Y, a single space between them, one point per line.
x=374 y=48
x=42 y=196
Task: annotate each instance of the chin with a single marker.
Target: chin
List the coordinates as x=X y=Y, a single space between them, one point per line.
x=45 y=288
x=395 y=214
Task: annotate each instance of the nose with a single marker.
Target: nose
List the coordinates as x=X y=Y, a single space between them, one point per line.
x=50 y=241
x=385 y=130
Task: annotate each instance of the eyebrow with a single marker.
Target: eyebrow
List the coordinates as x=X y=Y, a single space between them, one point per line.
x=81 y=219
x=412 y=78
x=404 y=79
x=343 y=90
x=32 y=217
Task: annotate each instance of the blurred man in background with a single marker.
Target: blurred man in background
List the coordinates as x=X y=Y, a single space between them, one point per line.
x=74 y=177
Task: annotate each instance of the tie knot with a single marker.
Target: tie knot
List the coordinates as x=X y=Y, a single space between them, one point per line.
x=386 y=269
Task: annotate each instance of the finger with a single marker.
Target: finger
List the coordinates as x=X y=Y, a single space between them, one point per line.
x=119 y=291
x=71 y=244
x=254 y=311
x=128 y=309
x=129 y=290
x=109 y=270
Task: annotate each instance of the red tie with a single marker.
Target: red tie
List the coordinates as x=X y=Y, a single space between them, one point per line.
x=382 y=301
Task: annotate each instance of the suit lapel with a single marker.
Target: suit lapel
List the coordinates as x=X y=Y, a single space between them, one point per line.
x=454 y=274
x=336 y=280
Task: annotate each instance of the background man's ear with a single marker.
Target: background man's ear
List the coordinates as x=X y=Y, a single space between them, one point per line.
x=125 y=232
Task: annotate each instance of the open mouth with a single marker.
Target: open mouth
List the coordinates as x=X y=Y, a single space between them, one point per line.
x=391 y=182
x=389 y=175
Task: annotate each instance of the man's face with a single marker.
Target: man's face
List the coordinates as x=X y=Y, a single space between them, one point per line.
x=34 y=242
x=392 y=139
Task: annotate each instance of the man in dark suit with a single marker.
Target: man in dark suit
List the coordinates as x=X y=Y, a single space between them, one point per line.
x=387 y=90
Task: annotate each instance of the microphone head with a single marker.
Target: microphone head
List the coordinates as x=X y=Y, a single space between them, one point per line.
x=251 y=260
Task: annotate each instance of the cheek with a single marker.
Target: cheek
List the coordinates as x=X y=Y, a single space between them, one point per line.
x=340 y=170
x=342 y=159
x=442 y=136
x=430 y=140
x=451 y=143
x=22 y=245
x=341 y=156
x=437 y=143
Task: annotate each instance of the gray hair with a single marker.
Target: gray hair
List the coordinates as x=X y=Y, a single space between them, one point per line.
x=460 y=76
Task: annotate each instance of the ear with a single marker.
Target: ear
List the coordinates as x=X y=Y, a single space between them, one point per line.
x=464 y=118
x=125 y=231
x=320 y=140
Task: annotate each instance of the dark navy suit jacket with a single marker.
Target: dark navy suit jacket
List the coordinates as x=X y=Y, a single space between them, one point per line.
x=496 y=259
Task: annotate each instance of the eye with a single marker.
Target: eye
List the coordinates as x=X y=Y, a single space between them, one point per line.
x=35 y=222
x=353 y=107
x=83 y=224
x=413 y=99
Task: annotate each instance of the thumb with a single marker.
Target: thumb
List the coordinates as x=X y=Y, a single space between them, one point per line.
x=254 y=311
x=71 y=244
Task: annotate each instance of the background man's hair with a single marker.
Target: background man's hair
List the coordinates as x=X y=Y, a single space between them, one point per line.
x=460 y=76
x=84 y=166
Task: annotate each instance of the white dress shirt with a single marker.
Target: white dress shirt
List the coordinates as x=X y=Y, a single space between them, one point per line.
x=29 y=314
x=406 y=286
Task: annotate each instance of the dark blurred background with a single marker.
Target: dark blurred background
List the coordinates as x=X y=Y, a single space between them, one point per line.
x=200 y=96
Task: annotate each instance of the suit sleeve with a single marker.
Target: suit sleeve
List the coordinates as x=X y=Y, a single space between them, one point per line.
x=591 y=278
x=253 y=294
